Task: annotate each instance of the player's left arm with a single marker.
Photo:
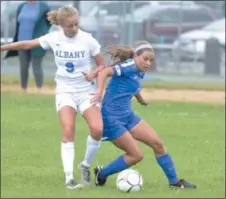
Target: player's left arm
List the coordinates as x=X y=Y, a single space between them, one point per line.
x=99 y=63
x=140 y=98
x=95 y=52
x=101 y=80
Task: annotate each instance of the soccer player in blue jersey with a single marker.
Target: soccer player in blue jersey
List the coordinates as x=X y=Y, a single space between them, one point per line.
x=121 y=125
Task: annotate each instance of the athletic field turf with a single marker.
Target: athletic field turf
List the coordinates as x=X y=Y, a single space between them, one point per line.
x=30 y=150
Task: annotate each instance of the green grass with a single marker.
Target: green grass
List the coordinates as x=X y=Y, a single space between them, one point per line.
x=49 y=81
x=30 y=150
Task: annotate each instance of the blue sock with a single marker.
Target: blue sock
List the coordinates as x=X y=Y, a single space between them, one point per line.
x=166 y=163
x=115 y=166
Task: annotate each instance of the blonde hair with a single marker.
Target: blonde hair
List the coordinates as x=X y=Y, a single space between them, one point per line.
x=120 y=53
x=56 y=16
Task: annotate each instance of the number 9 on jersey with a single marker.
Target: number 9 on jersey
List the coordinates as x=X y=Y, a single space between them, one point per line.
x=70 y=67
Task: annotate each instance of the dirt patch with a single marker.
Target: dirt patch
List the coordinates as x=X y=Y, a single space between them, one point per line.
x=216 y=97
x=32 y=90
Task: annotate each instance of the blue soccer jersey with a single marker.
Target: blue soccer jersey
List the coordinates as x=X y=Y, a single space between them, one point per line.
x=125 y=83
x=117 y=113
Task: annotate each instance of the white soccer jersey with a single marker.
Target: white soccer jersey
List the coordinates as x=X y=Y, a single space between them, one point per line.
x=72 y=57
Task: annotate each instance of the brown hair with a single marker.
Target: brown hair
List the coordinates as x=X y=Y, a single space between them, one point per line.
x=56 y=16
x=120 y=53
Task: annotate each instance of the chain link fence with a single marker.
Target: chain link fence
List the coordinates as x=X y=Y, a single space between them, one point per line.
x=180 y=31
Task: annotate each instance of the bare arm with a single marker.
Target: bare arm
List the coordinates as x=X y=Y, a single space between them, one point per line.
x=141 y=99
x=100 y=65
x=99 y=61
x=102 y=77
x=21 y=45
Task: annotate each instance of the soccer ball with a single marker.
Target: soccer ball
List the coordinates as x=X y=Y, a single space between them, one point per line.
x=129 y=180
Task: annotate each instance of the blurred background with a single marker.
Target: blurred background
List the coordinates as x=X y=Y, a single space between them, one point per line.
x=188 y=36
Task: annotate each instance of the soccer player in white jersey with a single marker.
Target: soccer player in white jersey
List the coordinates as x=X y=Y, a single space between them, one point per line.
x=73 y=50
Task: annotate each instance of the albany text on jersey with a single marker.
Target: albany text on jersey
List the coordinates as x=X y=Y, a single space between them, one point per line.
x=72 y=57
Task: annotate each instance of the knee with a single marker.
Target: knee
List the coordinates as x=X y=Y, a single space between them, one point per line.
x=68 y=133
x=137 y=157
x=92 y=142
x=96 y=131
x=158 y=147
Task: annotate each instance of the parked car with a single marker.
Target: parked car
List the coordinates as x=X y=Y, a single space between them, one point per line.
x=217 y=6
x=162 y=24
x=171 y=3
x=115 y=8
x=191 y=45
x=105 y=19
x=112 y=16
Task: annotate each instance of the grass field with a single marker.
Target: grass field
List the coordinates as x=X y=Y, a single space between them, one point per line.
x=30 y=150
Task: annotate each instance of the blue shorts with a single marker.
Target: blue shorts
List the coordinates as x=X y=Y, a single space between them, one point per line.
x=115 y=127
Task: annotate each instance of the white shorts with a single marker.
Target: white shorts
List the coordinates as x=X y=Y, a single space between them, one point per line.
x=80 y=102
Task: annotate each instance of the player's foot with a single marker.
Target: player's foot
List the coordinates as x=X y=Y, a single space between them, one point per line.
x=98 y=180
x=72 y=184
x=85 y=174
x=183 y=184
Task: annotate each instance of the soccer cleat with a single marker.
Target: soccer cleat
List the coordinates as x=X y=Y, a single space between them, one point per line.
x=183 y=184
x=85 y=174
x=71 y=184
x=99 y=181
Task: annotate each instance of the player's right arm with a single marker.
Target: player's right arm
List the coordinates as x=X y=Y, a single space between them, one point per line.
x=21 y=45
x=101 y=79
x=116 y=70
x=43 y=41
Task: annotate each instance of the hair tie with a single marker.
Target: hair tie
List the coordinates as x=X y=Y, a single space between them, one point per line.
x=143 y=46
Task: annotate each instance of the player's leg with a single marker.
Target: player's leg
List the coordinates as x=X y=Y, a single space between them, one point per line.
x=93 y=117
x=123 y=140
x=146 y=134
x=37 y=71
x=66 y=109
x=24 y=59
x=94 y=120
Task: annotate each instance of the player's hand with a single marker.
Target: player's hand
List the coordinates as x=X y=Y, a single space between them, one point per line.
x=96 y=97
x=143 y=102
x=89 y=76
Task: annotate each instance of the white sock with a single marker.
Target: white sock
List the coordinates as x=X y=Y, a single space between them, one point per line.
x=92 y=147
x=67 y=157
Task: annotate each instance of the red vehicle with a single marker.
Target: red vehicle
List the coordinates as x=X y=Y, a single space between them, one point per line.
x=165 y=24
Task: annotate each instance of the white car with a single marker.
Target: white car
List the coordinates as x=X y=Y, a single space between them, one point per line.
x=191 y=45
x=171 y=3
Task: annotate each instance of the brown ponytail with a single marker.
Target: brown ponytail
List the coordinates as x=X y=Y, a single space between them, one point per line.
x=120 y=53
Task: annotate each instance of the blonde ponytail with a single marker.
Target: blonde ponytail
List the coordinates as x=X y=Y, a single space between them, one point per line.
x=56 y=16
x=52 y=16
